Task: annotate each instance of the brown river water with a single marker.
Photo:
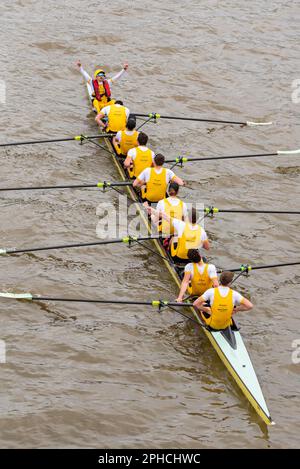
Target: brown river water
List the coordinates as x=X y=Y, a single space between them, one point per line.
x=109 y=376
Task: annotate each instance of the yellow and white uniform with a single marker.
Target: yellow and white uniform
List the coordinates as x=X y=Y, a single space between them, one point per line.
x=142 y=158
x=201 y=277
x=127 y=139
x=222 y=302
x=117 y=117
x=97 y=104
x=174 y=208
x=189 y=237
x=156 y=181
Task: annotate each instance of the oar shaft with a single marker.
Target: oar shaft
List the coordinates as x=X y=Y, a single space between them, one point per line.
x=125 y=240
x=267 y=266
x=194 y=119
x=61 y=246
x=282 y=212
x=113 y=302
x=67 y=186
x=221 y=157
x=270 y=266
x=83 y=300
x=39 y=188
x=53 y=140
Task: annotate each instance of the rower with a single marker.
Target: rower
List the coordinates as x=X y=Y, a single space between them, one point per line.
x=223 y=301
x=139 y=158
x=198 y=276
x=113 y=117
x=173 y=207
x=188 y=235
x=100 y=85
x=126 y=139
x=155 y=180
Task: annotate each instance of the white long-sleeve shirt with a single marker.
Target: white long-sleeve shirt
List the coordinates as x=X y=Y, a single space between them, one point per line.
x=89 y=79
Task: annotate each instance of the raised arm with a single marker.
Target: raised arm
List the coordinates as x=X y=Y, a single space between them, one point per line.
x=85 y=75
x=119 y=74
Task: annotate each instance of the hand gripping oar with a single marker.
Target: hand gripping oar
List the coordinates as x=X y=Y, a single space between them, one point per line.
x=154 y=115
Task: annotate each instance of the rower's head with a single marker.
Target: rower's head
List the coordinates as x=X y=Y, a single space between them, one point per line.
x=193 y=216
x=173 y=189
x=119 y=102
x=99 y=75
x=142 y=139
x=159 y=160
x=194 y=256
x=131 y=123
x=226 y=278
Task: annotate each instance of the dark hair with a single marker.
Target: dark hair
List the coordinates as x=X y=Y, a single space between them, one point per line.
x=159 y=159
x=194 y=215
x=173 y=186
x=119 y=102
x=194 y=255
x=142 y=138
x=131 y=123
x=226 y=278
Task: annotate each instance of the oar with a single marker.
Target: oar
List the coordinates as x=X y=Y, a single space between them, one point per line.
x=160 y=304
x=103 y=185
x=182 y=159
x=56 y=140
x=155 y=116
x=127 y=240
x=214 y=210
x=246 y=268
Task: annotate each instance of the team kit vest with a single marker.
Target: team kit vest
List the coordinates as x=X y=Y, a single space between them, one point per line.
x=143 y=160
x=199 y=282
x=173 y=211
x=221 y=310
x=156 y=186
x=102 y=90
x=116 y=118
x=128 y=141
x=190 y=239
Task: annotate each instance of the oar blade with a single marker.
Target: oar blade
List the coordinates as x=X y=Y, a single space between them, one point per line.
x=16 y=296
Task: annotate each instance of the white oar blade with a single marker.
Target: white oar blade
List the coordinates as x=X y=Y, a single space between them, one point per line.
x=253 y=124
x=16 y=296
x=2 y=251
x=288 y=152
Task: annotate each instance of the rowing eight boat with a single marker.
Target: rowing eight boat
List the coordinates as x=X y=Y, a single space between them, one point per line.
x=228 y=343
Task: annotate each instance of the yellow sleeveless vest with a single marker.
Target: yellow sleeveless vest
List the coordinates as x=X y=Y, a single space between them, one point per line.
x=199 y=282
x=116 y=118
x=221 y=310
x=173 y=212
x=143 y=160
x=191 y=239
x=156 y=187
x=128 y=141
